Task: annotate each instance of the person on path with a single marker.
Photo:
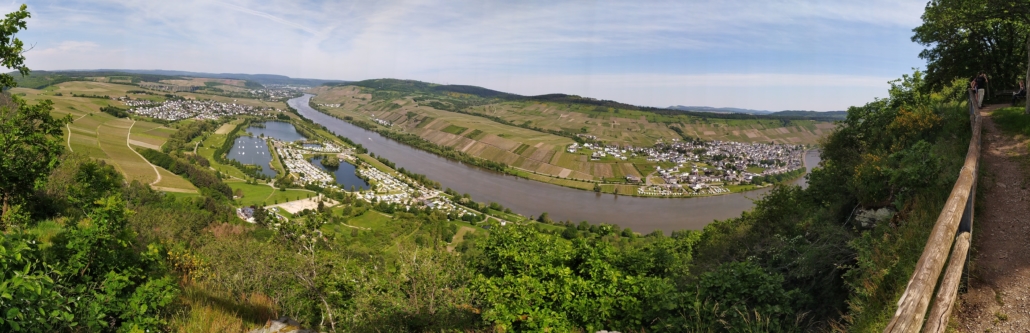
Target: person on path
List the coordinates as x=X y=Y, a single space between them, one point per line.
x=980 y=85
x=1019 y=94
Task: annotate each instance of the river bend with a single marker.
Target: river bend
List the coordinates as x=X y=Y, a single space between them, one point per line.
x=529 y=197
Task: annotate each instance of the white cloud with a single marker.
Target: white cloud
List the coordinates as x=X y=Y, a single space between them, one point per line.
x=532 y=43
x=70 y=47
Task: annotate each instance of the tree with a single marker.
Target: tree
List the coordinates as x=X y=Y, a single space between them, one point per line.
x=260 y=215
x=30 y=138
x=965 y=36
x=1017 y=13
x=544 y=218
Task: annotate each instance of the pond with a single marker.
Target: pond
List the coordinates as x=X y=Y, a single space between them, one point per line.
x=254 y=150
x=345 y=174
x=279 y=130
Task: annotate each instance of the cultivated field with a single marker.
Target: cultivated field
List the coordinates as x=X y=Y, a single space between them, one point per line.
x=105 y=137
x=540 y=153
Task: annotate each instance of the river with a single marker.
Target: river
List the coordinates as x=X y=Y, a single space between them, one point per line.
x=529 y=197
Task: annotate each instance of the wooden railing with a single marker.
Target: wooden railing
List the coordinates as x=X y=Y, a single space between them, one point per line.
x=951 y=234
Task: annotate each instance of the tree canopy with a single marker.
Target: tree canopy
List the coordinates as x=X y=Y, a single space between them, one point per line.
x=30 y=137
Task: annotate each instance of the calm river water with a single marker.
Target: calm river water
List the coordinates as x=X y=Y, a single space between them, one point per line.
x=529 y=197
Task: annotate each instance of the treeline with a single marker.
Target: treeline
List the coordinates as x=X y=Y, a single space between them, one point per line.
x=115 y=111
x=417 y=142
x=91 y=96
x=179 y=141
x=253 y=171
x=194 y=168
x=420 y=178
x=779 y=177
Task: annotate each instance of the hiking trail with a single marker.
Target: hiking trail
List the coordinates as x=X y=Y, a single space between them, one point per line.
x=997 y=298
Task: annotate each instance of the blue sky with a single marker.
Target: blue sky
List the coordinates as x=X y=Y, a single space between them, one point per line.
x=769 y=55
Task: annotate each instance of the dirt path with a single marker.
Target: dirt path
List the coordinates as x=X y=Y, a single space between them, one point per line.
x=127 y=139
x=69 y=126
x=998 y=295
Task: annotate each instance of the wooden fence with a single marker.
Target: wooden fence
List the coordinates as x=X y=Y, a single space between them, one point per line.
x=951 y=235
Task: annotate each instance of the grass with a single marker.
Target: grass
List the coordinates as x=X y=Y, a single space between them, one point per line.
x=370 y=219
x=290 y=194
x=105 y=137
x=260 y=194
x=376 y=164
x=252 y=194
x=456 y=130
x=206 y=310
x=755 y=170
x=1012 y=120
x=207 y=150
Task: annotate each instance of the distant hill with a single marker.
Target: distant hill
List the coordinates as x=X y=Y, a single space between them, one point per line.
x=259 y=78
x=717 y=110
x=792 y=114
x=814 y=115
x=485 y=96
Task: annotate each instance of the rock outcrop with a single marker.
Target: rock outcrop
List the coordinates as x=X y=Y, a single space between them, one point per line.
x=281 y=325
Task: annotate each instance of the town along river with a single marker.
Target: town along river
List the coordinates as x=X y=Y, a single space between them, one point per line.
x=529 y=197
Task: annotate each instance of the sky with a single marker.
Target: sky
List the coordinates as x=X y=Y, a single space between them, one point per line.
x=766 y=55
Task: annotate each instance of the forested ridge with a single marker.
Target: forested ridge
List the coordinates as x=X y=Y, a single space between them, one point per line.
x=83 y=250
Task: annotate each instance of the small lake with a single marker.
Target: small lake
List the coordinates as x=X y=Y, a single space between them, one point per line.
x=252 y=150
x=345 y=174
x=279 y=130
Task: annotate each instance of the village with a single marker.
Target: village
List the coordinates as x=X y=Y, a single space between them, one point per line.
x=173 y=110
x=277 y=92
x=700 y=167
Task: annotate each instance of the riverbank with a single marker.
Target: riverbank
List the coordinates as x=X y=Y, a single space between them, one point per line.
x=621 y=185
x=531 y=198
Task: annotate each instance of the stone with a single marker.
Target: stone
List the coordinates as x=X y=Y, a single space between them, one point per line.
x=281 y=325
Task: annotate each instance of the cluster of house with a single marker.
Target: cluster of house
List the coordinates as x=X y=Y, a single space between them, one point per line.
x=600 y=151
x=325 y=105
x=382 y=122
x=293 y=158
x=323 y=147
x=275 y=94
x=384 y=182
x=133 y=103
x=672 y=191
x=185 y=109
x=247 y=214
x=442 y=203
x=702 y=167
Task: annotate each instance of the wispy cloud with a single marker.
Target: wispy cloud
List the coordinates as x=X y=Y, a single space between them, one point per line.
x=66 y=48
x=740 y=42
